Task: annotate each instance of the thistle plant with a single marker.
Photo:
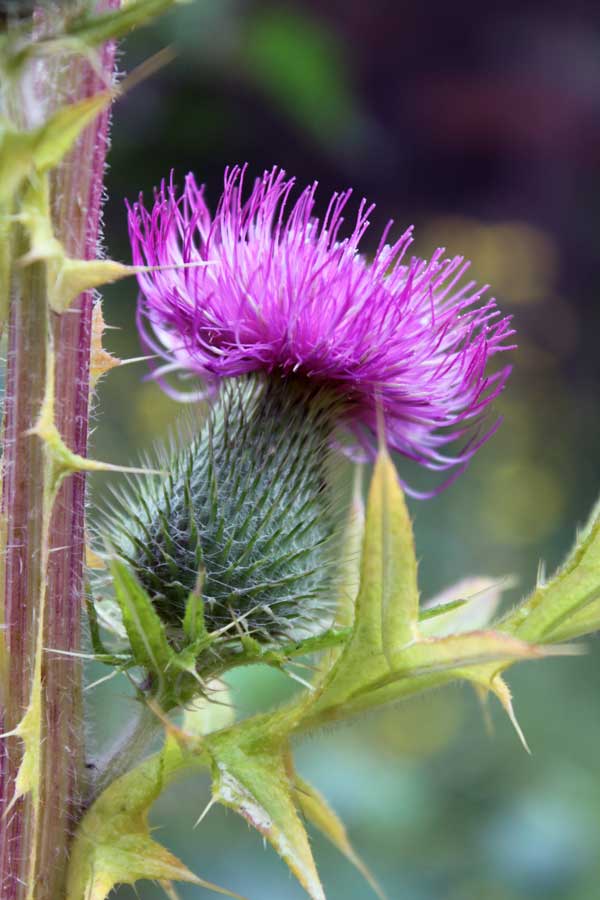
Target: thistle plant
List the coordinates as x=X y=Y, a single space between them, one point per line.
x=232 y=545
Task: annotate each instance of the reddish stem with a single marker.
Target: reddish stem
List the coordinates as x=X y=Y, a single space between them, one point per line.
x=76 y=204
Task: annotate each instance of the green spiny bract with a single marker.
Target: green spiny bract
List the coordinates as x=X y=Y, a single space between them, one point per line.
x=246 y=505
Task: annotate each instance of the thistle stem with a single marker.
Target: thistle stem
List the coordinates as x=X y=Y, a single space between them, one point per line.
x=129 y=749
x=42 y=578
x=22 y=523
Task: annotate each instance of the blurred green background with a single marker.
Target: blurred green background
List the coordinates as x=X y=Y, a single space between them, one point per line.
x=481 y=124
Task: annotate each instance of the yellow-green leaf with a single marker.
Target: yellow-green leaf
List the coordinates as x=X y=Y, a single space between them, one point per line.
x=392 y=548
x=29 y=730
x=112 y=844
x=316 y=809
x=93 y=30
x=545 y=615
x=42 y=148
x=349 y=575
x=250 y=777
x=475 y=656
x=145 y=630
x=386 y=613
x=348 y=580
x=469 y=605
x=71 y=277
x=463 y=650
x=67 y=278
x=581 y=622
x=16 y=161
x=53 y=139
x=210 y=713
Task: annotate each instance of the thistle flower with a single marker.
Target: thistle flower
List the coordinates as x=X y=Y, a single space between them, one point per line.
x=283 y=293
x=299 y=338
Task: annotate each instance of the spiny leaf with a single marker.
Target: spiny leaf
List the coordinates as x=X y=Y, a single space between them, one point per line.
x=93 y=30
x=387 y=601
x=112 y=844
x=29 y=730
x=388 y=518
x=72 y=277
x=101 y=361
x=385 y=658
x=194 y=626
x=250 y=777
x=23 y=152
x=499 y=687
x=576 y=624
x=316 y=809
x=58 y=134
x=545 y=615
x=67 y=278
x=210 y=713
x=459 y=650
x=349 y=578
x=480 y=596
x=145 y=630
x=476 y=656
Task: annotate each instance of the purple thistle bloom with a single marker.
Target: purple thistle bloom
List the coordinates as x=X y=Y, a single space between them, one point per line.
x=282 y=292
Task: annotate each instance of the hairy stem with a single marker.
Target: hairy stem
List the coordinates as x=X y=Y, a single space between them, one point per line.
x=129 y=749
x=42 y=579
x=22 y=508
x=77 y=194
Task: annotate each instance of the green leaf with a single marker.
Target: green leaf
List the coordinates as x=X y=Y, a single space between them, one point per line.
x=93 y=30
x=476 y=656
x=462 y=650
x=101 y=652
x=387 y=606
x=23 y=152
x=52 y=141
x=316 y=809
x=210 y=713
x=16 y=160
x=250 y=777
x=112 y=844
x=392 y=549
x=194 y=626
x=480 y=598
x=29 y=730
x=577 y=624
x=146 y=633
x=546 y=614
x=68 y=278
x=348 y=581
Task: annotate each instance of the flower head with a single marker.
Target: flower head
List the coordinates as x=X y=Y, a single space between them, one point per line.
x=262 y=285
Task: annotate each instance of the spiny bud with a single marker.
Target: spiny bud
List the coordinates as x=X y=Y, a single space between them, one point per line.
x=247 y=504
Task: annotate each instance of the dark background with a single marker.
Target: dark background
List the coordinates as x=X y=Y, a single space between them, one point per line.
x=480 y=124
